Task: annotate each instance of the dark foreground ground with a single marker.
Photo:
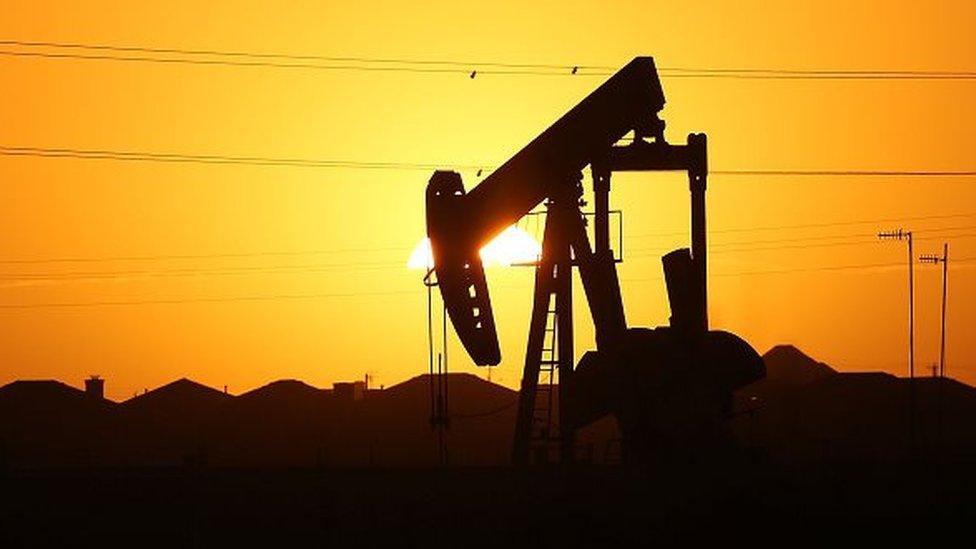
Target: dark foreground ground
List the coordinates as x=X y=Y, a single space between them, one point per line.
x=195 y=507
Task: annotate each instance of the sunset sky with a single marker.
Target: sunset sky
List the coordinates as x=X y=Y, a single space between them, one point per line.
x=238 y=274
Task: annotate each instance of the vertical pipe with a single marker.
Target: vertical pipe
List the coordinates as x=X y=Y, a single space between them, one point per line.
x=699 y=254
x=697 y=175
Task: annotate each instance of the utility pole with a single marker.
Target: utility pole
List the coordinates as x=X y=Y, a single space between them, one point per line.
x=944 y=260
x=901 y=234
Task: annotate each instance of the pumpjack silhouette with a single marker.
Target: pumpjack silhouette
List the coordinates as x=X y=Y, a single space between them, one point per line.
x=670 y=388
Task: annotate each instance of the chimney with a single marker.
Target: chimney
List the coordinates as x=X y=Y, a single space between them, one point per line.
x=95 y=388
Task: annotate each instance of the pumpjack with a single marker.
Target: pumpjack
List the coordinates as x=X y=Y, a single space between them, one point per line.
x=670 y=388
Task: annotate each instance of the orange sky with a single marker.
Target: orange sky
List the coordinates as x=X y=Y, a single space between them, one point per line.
x=369 y=315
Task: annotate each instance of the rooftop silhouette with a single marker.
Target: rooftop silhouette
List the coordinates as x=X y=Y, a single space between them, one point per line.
x=803 y=410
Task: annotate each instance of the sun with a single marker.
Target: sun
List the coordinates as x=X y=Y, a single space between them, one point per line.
x=513 y=245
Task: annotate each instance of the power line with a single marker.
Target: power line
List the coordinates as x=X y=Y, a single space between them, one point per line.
x=143 y=156
x=817 y=238
x=862 y=266
x=815 y=225
x=277 y=297
x=823 y=72
x=854 y=173
x=140 y=156
x=714 y=247
x=653 y=252
x=166 y=257
x=299 y=57
x=835 y=76
x=356 y=265
x=471 y=68
x=833 y=244
x=858 y=238
x=219 y=271
x=834 y=237
x=282 y=65
x=826 y=268
x=805 y=242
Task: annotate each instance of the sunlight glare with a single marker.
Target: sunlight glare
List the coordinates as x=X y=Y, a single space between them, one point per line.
x=514 y=245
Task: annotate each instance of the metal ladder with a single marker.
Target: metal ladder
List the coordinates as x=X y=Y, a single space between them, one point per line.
x=540 y=437
x=545 y=424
